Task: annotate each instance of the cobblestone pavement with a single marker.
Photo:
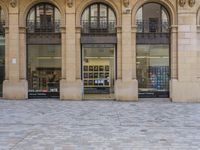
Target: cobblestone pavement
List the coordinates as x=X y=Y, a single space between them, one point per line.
x=99 y=125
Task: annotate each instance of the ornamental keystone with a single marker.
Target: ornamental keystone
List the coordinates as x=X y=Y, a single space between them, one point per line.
x=191 y=3
x=70 y=3
x=182 y=3
x=13 y=3
x=126 y=3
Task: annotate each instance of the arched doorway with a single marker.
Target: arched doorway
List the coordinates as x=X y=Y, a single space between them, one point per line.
x=43 y=51
x=2 y=50
x=153 y=50
x=98 y=42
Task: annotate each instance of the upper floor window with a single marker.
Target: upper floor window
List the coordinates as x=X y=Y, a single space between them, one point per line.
x=152 y=18
x=43 y=17
x=98 y=18
x=2 y=21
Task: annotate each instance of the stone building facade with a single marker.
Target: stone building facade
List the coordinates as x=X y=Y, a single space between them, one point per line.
x=117 y=49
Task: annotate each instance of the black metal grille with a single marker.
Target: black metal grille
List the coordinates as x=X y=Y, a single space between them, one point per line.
x=144 y=26
x=2 y=29
x=40 y=27
x=96 y=27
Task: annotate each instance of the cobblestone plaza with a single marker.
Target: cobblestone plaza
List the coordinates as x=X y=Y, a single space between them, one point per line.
x=99 y=125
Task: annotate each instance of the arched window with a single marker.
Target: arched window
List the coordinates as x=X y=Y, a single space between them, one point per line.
x=153 y=50
x=152 y=17
x=99 y=18
x=43 y=17
x=43 y=51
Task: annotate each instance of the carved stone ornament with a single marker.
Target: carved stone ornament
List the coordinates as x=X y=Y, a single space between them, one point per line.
x=13 y=3
x=182 y=2
x=70 y=3
x=126 y=3
x=191 y=3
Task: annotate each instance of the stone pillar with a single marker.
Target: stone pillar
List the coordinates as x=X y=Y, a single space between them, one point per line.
x=71 y=87
x=119 y=53
x=14 y=87
x=174 y=58
x=187 y=86
x=126 y=89
x=78 y=53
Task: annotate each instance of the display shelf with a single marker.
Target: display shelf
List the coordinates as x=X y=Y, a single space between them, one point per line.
x=96 y=76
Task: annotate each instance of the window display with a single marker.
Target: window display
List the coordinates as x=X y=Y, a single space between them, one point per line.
x=153 y=70
x=98 y=70
x=44 y=70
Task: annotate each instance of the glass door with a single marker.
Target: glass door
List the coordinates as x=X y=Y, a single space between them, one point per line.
x=153 y=70
x=2 y=63
x=98 y=69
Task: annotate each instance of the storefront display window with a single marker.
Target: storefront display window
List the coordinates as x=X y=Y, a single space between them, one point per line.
x=153 y=70
x=98 y=69
x=153 y=50
x=44 y=69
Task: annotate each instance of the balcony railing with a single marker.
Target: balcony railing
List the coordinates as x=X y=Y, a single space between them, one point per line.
x=2 y=29
x=96 y=27
x=40 y=27
x=144 y=26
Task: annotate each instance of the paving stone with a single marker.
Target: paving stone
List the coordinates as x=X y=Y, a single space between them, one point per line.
x=99 y=125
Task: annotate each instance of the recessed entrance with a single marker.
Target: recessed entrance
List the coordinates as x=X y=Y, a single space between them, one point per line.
x=98 y=63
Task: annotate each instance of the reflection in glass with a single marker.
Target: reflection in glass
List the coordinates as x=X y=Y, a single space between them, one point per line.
x=98 y=17
x=44 y=68
x=152 y=17
x=153 y=68
x=43 y=17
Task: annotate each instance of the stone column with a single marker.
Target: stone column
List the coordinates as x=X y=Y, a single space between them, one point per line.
x=78 y=53
x=71 y=87
x=173 y=58
x=14 y=87
x=187 y=86
x=126 y=89
x=63 y=52
x=119 y=53
x=134 y=49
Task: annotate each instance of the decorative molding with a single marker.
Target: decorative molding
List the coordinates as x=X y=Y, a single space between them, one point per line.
x=126 y=3
x=70 y=3
x=182 y=3
x=13 y=3
x=191 y=3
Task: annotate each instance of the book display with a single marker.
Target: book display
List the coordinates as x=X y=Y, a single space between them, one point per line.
x=45 y=80
x=97 y=76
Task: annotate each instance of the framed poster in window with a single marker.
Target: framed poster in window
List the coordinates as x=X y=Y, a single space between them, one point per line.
x=101 y=68
x=107 y=68
x=91 y=68
x=85 y=68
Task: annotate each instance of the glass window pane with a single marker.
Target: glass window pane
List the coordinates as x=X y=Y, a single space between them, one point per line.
x=153 y=67
x=44 y=68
